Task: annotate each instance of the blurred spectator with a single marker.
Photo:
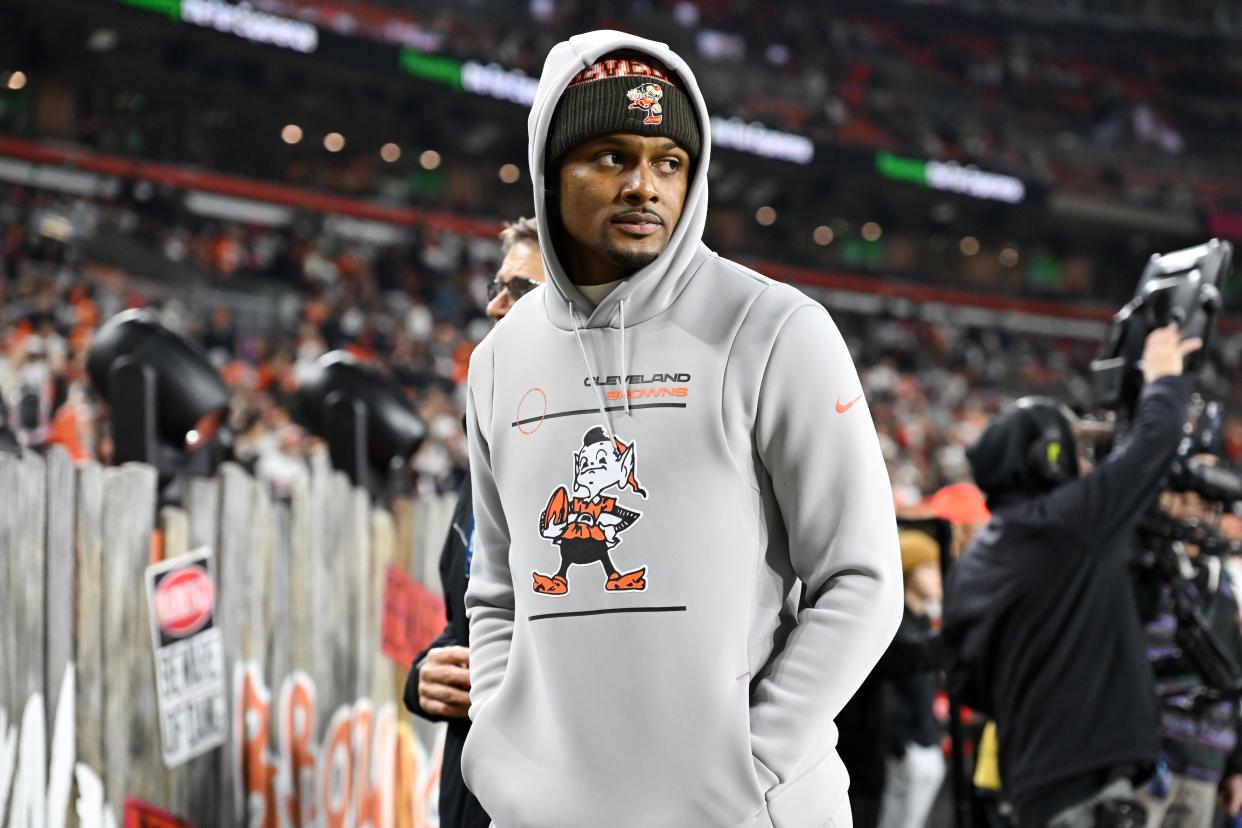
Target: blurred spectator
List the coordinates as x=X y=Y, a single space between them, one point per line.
x=915 y=766
x=415 y=306
x=964 y=506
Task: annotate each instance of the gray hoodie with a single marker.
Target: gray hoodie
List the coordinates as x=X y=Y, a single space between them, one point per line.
x=700 y=437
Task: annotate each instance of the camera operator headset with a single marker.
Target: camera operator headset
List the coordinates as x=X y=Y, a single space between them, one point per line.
x=1039 y=613
x=1200 y=750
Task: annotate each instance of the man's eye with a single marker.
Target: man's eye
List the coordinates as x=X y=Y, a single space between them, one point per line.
x=668 y=164
x=611 y=159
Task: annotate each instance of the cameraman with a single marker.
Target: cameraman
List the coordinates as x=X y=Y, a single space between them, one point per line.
x=1039 y=612
x=1199 y=749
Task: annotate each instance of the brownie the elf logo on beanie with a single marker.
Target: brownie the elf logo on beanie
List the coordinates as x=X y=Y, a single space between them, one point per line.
x=647 y=98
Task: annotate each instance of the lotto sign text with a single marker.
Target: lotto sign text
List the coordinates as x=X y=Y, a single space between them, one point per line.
x=189 y=657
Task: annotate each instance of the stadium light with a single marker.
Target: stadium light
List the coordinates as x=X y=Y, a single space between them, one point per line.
x=238 y=20
x=363 y=415
x=951 y=177
x=167 y=401
x=510 y=173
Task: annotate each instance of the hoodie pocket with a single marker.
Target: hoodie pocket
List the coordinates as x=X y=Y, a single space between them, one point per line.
x=470 y=749
x=616 y=717
x=814 y=798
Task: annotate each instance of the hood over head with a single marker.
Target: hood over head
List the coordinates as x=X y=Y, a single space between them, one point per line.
x=1028 y=450
x=652 y=289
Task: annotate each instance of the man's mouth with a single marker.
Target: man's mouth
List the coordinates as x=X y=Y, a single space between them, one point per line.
x=639 y=223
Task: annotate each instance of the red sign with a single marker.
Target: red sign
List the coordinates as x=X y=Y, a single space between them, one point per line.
x=184 y=600
x=139 y=814
x=413 y=617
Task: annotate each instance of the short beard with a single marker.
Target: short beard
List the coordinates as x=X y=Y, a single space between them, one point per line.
x=631 y=260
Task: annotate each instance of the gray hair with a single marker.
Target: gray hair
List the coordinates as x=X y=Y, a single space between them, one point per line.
x=523 y=229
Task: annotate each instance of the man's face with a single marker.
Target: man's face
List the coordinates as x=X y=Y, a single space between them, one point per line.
x=522 y=262
x=924 y=581
x=621 y=197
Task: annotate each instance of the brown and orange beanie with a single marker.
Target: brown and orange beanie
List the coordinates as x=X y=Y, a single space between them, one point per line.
x=623 y=94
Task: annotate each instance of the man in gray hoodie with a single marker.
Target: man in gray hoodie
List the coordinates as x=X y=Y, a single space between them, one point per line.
x=686 y=557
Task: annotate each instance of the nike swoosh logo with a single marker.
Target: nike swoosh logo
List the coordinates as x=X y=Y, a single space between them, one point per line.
x=844 y=407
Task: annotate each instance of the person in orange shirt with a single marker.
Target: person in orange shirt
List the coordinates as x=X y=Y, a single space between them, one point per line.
x=963 y=505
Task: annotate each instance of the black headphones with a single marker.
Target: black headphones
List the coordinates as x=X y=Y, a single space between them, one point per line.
x=1052 y=458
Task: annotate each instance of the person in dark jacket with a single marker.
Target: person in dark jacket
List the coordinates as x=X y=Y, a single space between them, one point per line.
x=438 y=686
x=1039 y=611
x=867 y=727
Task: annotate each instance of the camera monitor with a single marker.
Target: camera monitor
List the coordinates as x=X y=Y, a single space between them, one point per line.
x=1183 y=287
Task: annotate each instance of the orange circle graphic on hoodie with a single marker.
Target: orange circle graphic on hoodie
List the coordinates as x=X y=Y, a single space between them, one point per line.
x=531 y=410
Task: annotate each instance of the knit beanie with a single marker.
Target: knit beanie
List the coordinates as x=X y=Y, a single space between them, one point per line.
x=623 y=94
x=917 y=549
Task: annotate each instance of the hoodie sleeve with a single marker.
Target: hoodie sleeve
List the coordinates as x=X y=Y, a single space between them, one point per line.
x=489 y=596
x=818 y=445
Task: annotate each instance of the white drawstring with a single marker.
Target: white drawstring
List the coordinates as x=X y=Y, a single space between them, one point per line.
x=625 y=389
x=591 y=373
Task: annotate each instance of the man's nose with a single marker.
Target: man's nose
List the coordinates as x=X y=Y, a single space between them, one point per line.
x=499 y=306
x=640 y=186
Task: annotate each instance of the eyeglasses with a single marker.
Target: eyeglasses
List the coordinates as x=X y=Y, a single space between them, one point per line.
x=518 y=286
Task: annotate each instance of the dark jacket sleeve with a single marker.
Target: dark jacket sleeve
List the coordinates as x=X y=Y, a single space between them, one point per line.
x=452 y=567
x=911 y=652
x=1101 y=504
x=448 y=638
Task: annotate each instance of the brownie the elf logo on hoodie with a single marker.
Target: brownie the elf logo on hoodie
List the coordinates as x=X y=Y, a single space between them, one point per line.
x=586 y=528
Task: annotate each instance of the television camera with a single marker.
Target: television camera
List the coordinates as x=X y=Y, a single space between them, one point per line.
x=1183 y=287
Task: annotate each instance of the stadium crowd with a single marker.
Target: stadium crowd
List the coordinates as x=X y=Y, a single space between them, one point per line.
x=1118 y=116
x=1063 y=107
x=1121 y=113
x=415 y=308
